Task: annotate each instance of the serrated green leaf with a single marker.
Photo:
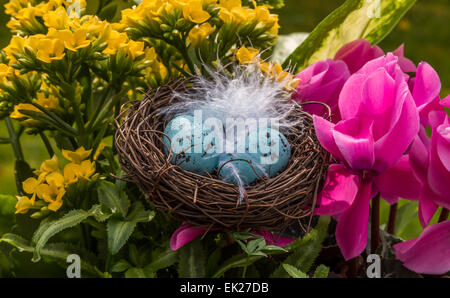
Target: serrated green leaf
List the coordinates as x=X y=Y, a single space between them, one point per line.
x=139 y=214
x=70 y=219
x=113 y=198
x=162 y=260
x=306 y=249
x=322 y=271
x=294 y=272
x=118 y=233
x=353 y=20
x=236 y=262
x=192 y=260
x=56 y=252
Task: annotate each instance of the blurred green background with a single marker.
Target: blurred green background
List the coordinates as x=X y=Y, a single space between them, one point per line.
x=424 y=30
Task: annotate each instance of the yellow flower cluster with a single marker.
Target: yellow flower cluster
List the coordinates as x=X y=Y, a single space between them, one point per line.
x=27 y=16
x=232 y=11
x=251 y=56
x=51 y=184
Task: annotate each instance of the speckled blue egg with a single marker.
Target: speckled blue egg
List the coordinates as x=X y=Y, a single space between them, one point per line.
x=232 y=170
x=273 y=150
x=189 y=149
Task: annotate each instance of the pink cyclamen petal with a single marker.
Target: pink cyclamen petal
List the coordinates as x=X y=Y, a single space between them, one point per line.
x=390 y=147
x=322 y=82
x=398 y=182
x=272 y=239
x=426 y=85
x=428 y=254
x=427 y=205
x=324 y=132
x=185 y=234
x=338 y=192
x=356 y=53
x=355 y=141
x=351 y=231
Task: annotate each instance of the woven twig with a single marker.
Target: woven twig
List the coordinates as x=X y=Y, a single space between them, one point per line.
x=271 y=204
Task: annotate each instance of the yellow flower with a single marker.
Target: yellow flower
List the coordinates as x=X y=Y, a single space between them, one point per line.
x=57 y=19
x=49 y=166
x=116 y=40
x=76 y=156
x=276 y=71
x=14 y=6
x=72 y=40
x=230 y=4
x=52 y=194
x=31 y=186
x=73 y=171
x=193 y=11
x=15 y=46
x=23 y=204
x=199 y=33
x=135 y=48
x=100 y=147
x=55 y=178
x=50 y=50
x=5 y=71
x=16 y=114
x=50 y=102
x=247 y=55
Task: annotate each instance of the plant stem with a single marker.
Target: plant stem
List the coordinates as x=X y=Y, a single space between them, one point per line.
x=444 y=215
x=18 y=153
x=375 y=224
x=47 y=144
x=353 y=267
x=392 y=217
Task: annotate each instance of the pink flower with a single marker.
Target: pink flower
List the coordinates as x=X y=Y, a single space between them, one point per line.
x=430 y=159
x=428 y=254
x=186 y=233
x=358 y=52
x=322 y=82
x=379 y=122
x=379 y=118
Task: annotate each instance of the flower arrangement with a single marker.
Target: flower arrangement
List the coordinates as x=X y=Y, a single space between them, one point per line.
x=100 y=86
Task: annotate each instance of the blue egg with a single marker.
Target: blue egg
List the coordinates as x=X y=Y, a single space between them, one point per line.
x=243 y=170
x=272 y=150
x=193 y=148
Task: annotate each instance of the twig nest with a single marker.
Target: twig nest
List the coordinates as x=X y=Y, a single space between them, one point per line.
x=269 y=203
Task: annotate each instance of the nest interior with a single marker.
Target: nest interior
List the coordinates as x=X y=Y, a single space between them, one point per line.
x=270 y=204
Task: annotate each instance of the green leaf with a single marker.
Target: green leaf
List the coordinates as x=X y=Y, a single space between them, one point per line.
x=113 y=198
x=136 y=272
x=121 y=266
x=236 y=262
x=56 y=252
x=306 y=249
x=353 y=20
x=294 y=272
x=118 y=233
x=139 y=214
x=322 y=271
x=70 y=219
x=162 y=260
x=192 y=260
x=108 y=12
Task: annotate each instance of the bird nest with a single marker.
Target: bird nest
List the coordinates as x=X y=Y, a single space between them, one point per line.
x=269 y=204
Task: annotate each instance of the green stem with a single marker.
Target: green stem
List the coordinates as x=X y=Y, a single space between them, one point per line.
x=47 y=144
x=18 y=153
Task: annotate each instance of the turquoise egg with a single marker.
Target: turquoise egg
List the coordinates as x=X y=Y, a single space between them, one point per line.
x=193 y=151
x=273 y=150
x=240 y=169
